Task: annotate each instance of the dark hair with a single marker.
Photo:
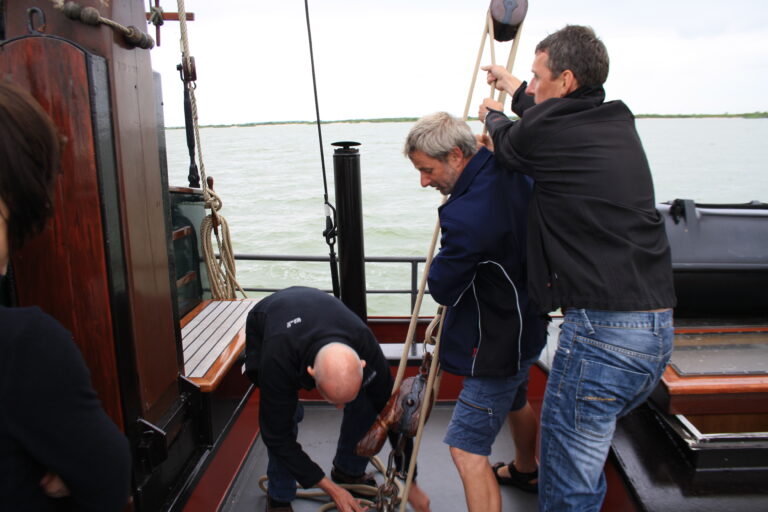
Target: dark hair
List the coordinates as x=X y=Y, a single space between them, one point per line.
x=576 y=48
x=29 y=162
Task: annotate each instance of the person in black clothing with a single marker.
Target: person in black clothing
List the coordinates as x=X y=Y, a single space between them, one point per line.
x=58 y=448
x=597 y=248
x=302 y=338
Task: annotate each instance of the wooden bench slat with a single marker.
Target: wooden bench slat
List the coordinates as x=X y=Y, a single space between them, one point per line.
x=202 y=360
x=206 y=334
x=213 y=336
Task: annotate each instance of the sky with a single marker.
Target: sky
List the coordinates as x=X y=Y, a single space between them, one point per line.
x=408 y=58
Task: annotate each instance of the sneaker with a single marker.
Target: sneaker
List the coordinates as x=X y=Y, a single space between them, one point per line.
x=278 y=506
x=340 y=477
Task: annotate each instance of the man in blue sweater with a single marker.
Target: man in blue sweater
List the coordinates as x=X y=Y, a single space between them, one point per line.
x=492 y=333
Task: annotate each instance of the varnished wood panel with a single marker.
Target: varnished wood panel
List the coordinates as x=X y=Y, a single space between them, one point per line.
x=157 y=357
x=152 y=359
x=64 y=270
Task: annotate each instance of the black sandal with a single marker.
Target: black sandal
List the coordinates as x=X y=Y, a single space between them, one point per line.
x=522 y=481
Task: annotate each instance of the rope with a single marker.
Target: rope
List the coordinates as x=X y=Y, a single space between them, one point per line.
x=433 y=381
x=91 y=16
x=366 y=490
x=221 y=271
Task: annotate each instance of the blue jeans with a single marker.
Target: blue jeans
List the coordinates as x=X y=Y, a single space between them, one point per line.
x=359 y=415
x=606 y=364
x=482 y=408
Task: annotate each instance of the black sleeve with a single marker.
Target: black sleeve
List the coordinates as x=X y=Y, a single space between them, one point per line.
x=509 y=143
x=254 y=337
x=278 y=401
x=56 y=416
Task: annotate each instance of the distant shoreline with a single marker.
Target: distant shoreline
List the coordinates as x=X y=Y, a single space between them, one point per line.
x=749 y=115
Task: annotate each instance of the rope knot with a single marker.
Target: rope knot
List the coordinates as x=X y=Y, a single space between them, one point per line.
x=157 y=15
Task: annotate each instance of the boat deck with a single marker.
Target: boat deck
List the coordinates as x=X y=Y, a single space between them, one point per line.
x=437 y=474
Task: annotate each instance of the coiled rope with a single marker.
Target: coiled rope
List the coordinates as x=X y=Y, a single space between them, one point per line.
x=362 y=489
x=221 y=271
x=91 y=16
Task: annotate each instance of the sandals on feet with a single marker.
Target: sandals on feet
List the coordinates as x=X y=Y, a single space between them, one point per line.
x=523 y=481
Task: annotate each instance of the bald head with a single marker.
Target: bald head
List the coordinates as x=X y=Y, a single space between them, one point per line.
x=338 y=373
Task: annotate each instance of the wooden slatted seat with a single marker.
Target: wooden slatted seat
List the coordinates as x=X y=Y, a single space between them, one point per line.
x=213 y=337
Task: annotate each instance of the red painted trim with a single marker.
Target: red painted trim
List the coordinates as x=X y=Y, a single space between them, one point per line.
x=212 y=488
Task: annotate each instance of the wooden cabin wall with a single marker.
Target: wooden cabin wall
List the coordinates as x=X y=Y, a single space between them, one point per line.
x=142 y=311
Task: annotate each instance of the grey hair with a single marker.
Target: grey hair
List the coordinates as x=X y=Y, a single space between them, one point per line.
x=437 y=134
x=577 y=48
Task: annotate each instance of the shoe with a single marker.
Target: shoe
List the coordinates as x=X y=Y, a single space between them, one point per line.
x=523 y=481
x=278 y=506
x=340 y=477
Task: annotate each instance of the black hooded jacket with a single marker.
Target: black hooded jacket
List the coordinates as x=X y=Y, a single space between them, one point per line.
x=595 y=238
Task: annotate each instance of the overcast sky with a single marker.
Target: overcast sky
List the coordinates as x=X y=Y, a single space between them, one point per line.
x=407 y=58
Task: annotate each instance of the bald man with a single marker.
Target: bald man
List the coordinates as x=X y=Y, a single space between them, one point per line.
x=303 y=338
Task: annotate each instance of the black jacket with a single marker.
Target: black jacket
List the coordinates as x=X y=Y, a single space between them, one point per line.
x=595 y=238
x=51 y=420
x=284 y=332
x=480 y=274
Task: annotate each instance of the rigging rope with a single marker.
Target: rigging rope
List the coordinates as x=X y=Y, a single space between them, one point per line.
x=221 y=271
x=330 y=212
x=91 y=16
x=433 y=383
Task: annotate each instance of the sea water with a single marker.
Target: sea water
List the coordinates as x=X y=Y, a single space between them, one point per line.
x=271 y=182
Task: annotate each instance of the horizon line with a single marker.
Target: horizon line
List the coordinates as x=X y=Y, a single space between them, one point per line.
x=746 y=115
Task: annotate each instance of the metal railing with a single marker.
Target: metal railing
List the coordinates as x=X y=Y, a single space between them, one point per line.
x=413 y=261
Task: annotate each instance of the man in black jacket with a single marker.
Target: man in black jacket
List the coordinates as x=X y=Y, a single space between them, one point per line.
x=302 y=338
x=597 y=248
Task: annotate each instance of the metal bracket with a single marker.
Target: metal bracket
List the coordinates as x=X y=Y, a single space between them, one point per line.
x=152 y=446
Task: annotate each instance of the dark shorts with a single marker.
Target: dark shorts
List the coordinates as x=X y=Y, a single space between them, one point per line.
x=482 y=409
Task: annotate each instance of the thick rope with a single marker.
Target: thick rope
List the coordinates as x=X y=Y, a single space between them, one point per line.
x=367 y=490
x=91 y=16
x=221 y=271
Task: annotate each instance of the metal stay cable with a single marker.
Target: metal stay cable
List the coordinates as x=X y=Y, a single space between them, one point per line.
x=330 y=212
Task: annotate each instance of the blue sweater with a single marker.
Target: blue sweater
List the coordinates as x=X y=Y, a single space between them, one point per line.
x=480 y=273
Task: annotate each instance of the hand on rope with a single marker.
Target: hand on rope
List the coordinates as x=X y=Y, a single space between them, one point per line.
x=360 y=489
x=91 y=16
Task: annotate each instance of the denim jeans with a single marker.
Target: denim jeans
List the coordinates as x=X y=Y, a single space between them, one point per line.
x=606 y=364
x=359 y=415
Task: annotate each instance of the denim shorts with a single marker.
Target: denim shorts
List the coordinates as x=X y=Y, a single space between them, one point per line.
x=482 y=408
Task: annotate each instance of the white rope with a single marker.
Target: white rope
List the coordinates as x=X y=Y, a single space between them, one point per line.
x=364 y=489
x=221 y=271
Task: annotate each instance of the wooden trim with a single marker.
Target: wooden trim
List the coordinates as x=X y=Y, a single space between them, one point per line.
x=186 y=279
x=724 y=384
x=212 y=489
x=172 y=16
x=185 y=190
x=182 y=232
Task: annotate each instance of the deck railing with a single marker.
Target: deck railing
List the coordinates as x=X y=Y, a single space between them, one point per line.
x=413 y=261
